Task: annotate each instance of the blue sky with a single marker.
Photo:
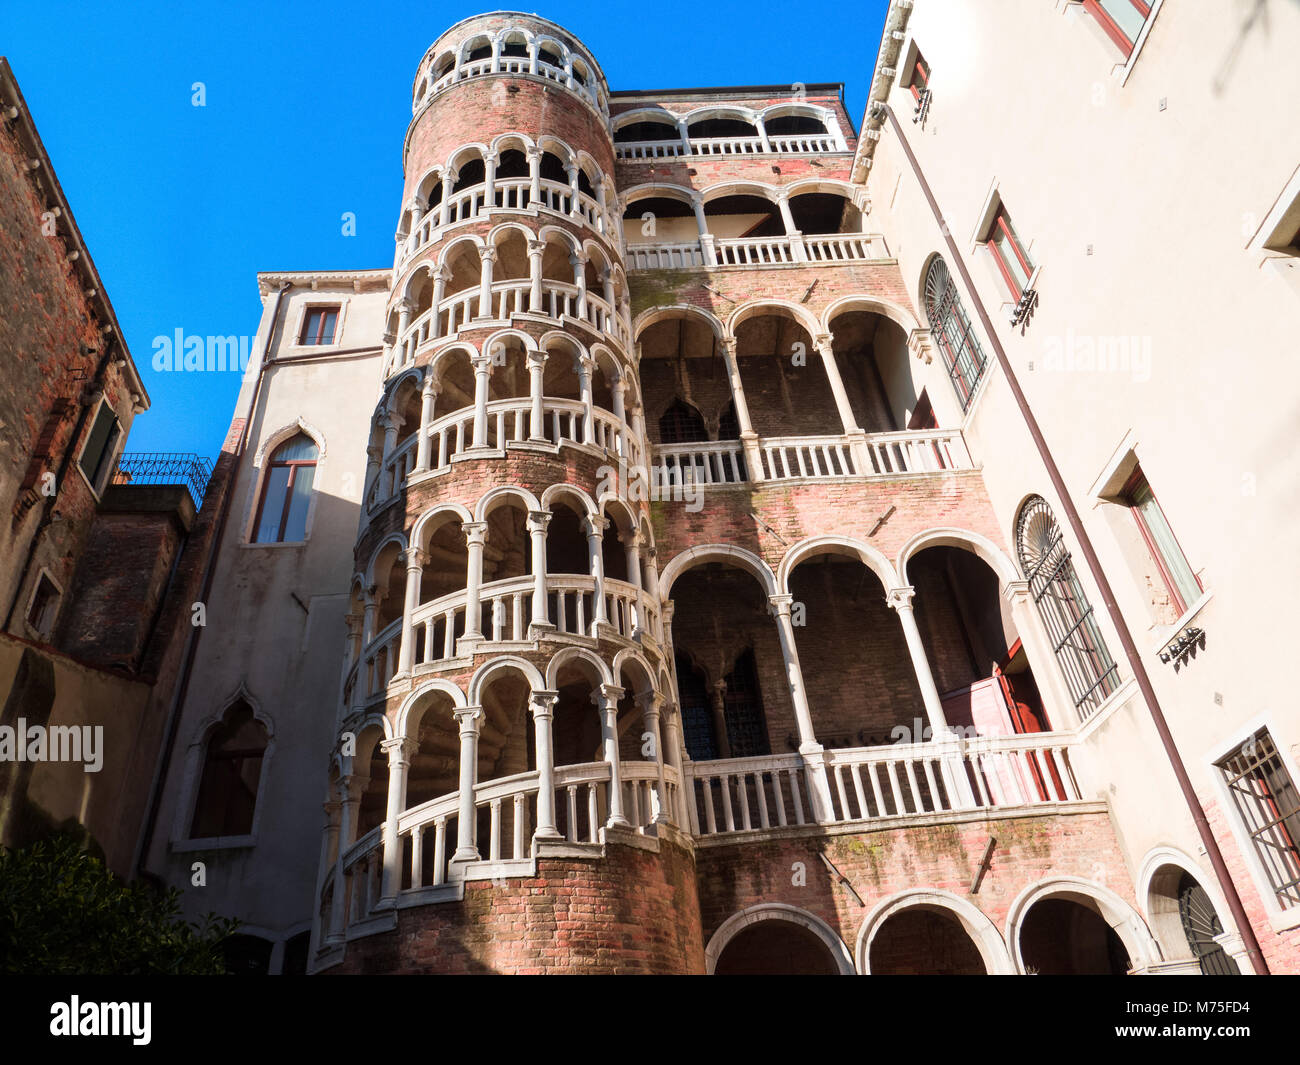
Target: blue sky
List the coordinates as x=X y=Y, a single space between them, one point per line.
x=306 y=108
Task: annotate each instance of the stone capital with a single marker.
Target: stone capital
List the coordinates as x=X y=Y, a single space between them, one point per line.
x=595 y=524
x=538 y=520
x=399 y=749
x=415 y=558
x=920 y=344
x=542 y=703
x=900 y=598
x=470 y=719
x=536 y=247
x=475 y=532
x=606 y=697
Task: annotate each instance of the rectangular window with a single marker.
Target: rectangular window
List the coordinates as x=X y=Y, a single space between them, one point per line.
x=918 y=78
x=1267 y=803
x=44 y=607
x=100 y=450
x=318 y=325
x=1184 y=588
x=1013 y=261
x=1121 y=19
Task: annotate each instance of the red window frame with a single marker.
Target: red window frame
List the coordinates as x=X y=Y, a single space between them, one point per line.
x=920 y=70
x=1094 y=8
x=293 y=465
x=1128 y=493
x=320 y=314
x=1003 y=223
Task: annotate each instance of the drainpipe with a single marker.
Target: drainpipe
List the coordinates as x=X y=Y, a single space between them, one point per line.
x=1135 y=662
x=192 y=641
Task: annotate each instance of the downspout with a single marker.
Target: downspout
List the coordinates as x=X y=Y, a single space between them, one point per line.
x=192 y=641
x=1135 y=662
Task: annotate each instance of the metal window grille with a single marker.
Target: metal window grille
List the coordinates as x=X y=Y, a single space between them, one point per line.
x=1067 y=615
x=1267 y=802
x=743 y=710
x=952 y=331
x=681 y=424
x=165 y=467
x=1201 y=925
x=697 y=714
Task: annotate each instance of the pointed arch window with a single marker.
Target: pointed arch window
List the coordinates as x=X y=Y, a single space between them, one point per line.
x=681 y=424
x=952 y=331
x=232 y=771
x=1067 y=615
x=286 y=492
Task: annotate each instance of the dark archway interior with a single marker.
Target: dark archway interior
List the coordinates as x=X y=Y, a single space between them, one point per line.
x=776 y=948
x=1061 y=937
x=924 y=942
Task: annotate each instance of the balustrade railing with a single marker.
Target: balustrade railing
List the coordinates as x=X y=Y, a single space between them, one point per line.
x=165 y=467
x=757 y=251
x=665 y=255
x=741 y=794
x=784 y=144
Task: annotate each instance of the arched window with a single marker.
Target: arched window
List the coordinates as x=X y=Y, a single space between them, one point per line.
x=681 y=424
x=1066 y=613
x=286 y=492
x=952 y=330
x=728 y=423
x=232 y=769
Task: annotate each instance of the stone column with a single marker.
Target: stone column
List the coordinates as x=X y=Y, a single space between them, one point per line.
x=536 y=410
x=350 y=801
x=475 y=536
x=371 y=608
x=329 y=849
x=706 y=238
x=575 y=209
x=399 y=751
x=424 y=446
x=607 y=290
x=374 y=461
x=405 y=307
x=542 y=704
x=951 y=765
x=585 y=365
x=444 y=209
x=683 y=131
x=606 y=699
x=594 y=526
x=618 y=392
x=538 y=520
x=489 y=181
x=579 y=265
x=534 y=154
x=748 y=438
x=857 y=438
x=650 y=704
x=797 y=252
x=487 y=257
x=440 y=278
x=470 y=720
x=415 y=559
x=761 y=127
x=536 y=248
x=673 y=749
x=482 y=364
x=812 y=751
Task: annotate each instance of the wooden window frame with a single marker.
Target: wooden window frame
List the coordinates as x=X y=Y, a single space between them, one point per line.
x=1002 y=221
x=292 y=465
x=1094 y=8
x=1157 y=556
x=321 y=309
x=99 y=477
x=922 y=68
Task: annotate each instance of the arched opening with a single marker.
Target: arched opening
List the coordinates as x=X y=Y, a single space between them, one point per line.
x=579 y=813
x=699 y=728
x=794 y=125
x=464 y=265
x=444 y=573
x=776 y=948
x=924 y=941
x=506 y=747
x=722 y=623
x=646 y=129
x=853 y=654
x=878 y=373
x=816 y=213
x=566 y=541
x=1062 y=936
x=683 y=378
x=1186 y=922
x=787 y=391
x=507 y=551
x=976 y=656
x=370 y=768
x=670 y=219
x=469 y=173
x=390 y=586
x=721 y=128
x=743 y=215
x=232 y=771
x=285 y=497
x=951 y=327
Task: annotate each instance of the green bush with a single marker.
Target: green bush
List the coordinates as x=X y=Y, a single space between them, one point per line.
x=62 y=912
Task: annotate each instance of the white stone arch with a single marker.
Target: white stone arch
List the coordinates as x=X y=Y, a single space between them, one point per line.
x=494 y=497
x=196 y=753
x=981 y=546
x=561 y=235
x=610 y=501
x=566 y=655
x=871 y=557
x=425 y=186
x=444 y=256
x=1123 y=918
x=895 y=312
x=398 y=538
x=432 y=515
x=657 y=190
x=499 y=38
x=982 y=931
x=739 y=187
x=465 y=153
x=498 y=232
x=1165 y=924
x=777 y=911
x=744 y=114
x=586 y=505
x=542 y=39
x=855 y=194
x=803 y=109
x=634 y=656
x=561 y=149
x=438 y=364
x=501 y=664
x=286 y=432
x=489 y=345
x=512 y=140
x=466 y=46
x=393 y=385
x=702 y=553
x=438 y=684
x=653 y=315
x=783 y=308
x=644 y=114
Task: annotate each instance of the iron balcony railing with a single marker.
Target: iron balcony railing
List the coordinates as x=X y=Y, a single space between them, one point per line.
x=165 y=467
